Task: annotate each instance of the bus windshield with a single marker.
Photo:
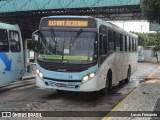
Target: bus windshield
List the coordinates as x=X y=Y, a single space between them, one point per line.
x=77 y=47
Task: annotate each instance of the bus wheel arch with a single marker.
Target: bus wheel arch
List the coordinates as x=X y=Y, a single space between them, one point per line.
x=108 y=82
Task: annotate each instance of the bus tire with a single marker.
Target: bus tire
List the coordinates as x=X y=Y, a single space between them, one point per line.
x=128 y=75
x=107 y=84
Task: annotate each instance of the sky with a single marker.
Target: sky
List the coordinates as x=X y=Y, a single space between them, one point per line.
x=135 y=26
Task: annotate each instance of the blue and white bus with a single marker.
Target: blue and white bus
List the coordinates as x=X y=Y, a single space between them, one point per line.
x=11 y=53
x=81 y=53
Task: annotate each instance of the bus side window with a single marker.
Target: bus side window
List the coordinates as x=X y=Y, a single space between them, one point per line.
x=111 y=41
x=121 y=42
x=135 y=40
x=117 y=39
x=14 y=41
x=130 y=44
x=103 y=45
x=4 y=45
x=125 y=43
x=133 y=44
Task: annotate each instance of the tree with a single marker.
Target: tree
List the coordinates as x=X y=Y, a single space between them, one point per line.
x=150 y=10
x=152 y=39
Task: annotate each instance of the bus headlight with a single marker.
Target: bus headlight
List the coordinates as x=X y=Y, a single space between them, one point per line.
x=37 y=71
x=40 y=75
x=89 y=76
x=85 y=78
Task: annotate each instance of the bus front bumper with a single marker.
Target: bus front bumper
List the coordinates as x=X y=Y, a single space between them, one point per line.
x=88 y=86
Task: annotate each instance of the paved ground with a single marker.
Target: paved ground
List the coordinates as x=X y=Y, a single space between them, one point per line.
x=143 y=103
x=25 y=96
x=143 y=100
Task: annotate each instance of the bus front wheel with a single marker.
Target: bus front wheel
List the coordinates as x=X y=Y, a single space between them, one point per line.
x=107 y=86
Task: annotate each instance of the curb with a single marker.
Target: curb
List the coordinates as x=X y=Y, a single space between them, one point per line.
x=153 y=78
x=28 y=77
x=117 y=106
x=147 y=79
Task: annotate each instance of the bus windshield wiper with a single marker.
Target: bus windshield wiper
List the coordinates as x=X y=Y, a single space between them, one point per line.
x=53 y=35
x=76 y=37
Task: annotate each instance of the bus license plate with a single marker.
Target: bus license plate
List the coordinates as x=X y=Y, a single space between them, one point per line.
x=61 y=85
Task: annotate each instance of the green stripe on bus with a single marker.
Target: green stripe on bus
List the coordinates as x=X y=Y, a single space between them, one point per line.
x=76 y=57
x=66 y=57
x=57 y=57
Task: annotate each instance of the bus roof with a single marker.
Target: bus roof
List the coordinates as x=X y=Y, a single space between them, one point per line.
x=68 y=16
x=115 y=27
x=9 y=26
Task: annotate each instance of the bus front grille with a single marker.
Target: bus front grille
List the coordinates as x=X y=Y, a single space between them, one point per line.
x=64 y=67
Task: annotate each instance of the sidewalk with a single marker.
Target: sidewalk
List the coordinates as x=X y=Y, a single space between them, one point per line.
x=29 y=75
x=154 y=75
x=142 y=103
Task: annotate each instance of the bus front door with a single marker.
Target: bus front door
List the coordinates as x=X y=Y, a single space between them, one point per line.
x=3 y=77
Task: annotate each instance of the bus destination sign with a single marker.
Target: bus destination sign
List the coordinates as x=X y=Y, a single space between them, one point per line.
x=68 y=23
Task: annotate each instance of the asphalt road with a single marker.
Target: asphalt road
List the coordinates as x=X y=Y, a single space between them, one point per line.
x=25 y=96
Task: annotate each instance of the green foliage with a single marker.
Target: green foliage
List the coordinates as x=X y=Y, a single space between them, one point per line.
x=156 y=48
x=148 y=39
x=152 y=39
x=150 y=10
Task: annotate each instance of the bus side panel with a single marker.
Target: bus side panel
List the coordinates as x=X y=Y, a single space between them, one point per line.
x=2 y=73
x=123 y=61
x=16 y=66
x=108 y=64
x=133 y=59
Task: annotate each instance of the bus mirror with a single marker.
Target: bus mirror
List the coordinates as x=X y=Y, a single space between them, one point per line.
x=35 y=38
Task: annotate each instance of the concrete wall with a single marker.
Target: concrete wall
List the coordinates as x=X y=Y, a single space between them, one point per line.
x=149 y=56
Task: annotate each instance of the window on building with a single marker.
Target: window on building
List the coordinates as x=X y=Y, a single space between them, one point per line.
x=14 y=41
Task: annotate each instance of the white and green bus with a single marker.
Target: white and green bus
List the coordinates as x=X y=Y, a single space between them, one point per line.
x=81 y=53
x=11 y=53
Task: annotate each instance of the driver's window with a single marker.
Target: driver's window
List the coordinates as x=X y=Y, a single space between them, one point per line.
x=14 y=41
